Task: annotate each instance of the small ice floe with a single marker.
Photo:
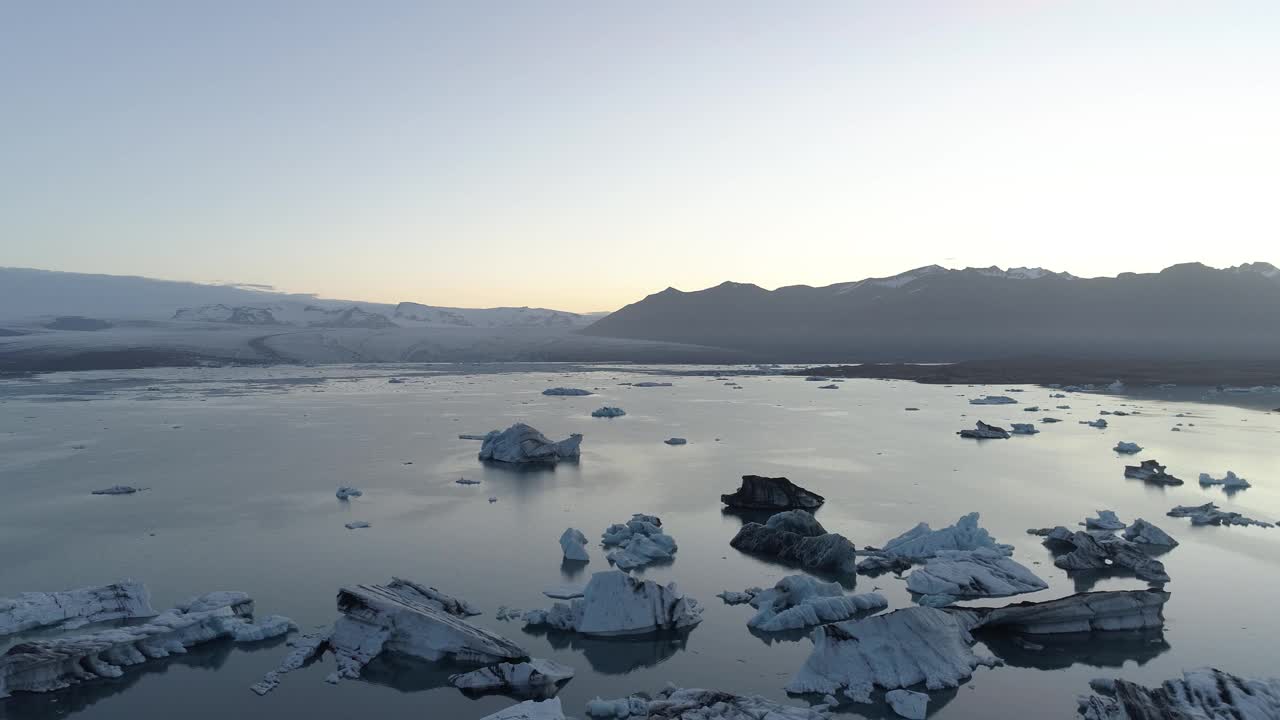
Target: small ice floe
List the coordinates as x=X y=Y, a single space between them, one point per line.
x=797 y=538
x=1032 y=408
x=1127 y=448
x=493 y=498
x=1100 y=423
x=608 y=412
x=1107 y=611
x=567 y=392
x=1175 y=429
x=535 y=679
x=638 y=542
x=674 y=702
x=1024 y=429
x=346 y=492
x=651 y=384
x=1106 y=520
x=1200 y=693
x=70 y=609
x=521 y=444
x=908 y=704
x=733 y=597
x=471 y=436
x=1104 y=551
x=771 y=493
x=1144 y=533
x=1230 y=481
x=676 y=441
x=615 y=603
x=799 y=601
x=984 y=431
x=993 y=400
x=816 y=378
x=1150 y=471
x=961 y=574
x=357 y=525
x=305 y=648
x=563 y=592
x=1050 y=420
x=531 y=710
x=465 y=481
x=118 y=490
x=574 y=545
x=829 y=387
x=47 y=664
x=395 y=381
x=1210 y=514
x=923 y=542
x=1055 y=396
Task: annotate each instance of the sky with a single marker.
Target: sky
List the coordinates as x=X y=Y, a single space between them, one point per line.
x=582 y=155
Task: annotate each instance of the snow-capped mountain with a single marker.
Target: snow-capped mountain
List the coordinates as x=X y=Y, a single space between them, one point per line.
x=419 y=315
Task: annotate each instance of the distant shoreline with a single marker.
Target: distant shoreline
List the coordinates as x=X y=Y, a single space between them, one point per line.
x=1059 y=371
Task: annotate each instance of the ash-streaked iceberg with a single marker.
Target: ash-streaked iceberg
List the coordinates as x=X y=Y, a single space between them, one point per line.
x=536 y=679
x=796 y=537
x=771 y=493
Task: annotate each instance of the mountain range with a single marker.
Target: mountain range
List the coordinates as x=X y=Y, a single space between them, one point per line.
x=933 y=314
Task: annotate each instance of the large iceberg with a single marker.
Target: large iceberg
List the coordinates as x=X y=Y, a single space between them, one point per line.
x=772 y=493
x=1104 y=551
x=1230 y=481
x=638 y=542
x=797 y=538
x=44 y=665
x=615 y=603
x=1209 y=514
x=984 y=431
x=799 y=601
x=574 y=545
x=535 y=679
x=521 y=444
x=70 y=609
x=958 y=574
x=923 y=542
x=1144 y=533
x=1116 y=610
x=1206 y=693
x=1150 y=471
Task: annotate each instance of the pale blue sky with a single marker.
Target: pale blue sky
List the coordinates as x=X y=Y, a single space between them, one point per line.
x=583 y=154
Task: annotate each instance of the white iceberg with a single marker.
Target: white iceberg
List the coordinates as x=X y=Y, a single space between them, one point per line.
x=521 y=444
x=70 y=609
x=977 y=573
x=537 y=678
x=922 y=542
x=305 y=648
x=799 y=601
x=908 y=704
x=574 y=545
x=1206 y=693
x=615 y=603
x=638 y=542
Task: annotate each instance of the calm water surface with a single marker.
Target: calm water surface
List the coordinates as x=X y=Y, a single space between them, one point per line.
x=241 y=466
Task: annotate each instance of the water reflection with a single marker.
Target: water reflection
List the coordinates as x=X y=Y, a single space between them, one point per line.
x=620 y=655
x=1056 y=652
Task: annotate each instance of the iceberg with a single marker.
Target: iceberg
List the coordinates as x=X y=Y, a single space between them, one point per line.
x=535 y=679
x=908 y=704
x=1106 y=520
x=1103 y=551
x=650 y=384
x=1209 y=514
x=993 y=400
x=521 y=444
x=676 y=441
x=615 y=603
x=1150 y=471
x=1200 y=693
x=984 y=431
x=44 y=665
x=608 y=412
x=531 y=710
x=639 y=542
x=345 y=492
x=977 y=573
x=567 y=392
x=305 y=649
x=923 y=542
x=829 y=387
x=1127 y=448
x=700 y=704
x=1144 y=533
x=1100 y=423
x=1114 y=610
x=357 y=525
x=1024 y=429
x=771 y=493
x=70 y=609
x=118 y=490
x=796 y=537
x=799 y=601
x=574 y=545
x=1230 y=481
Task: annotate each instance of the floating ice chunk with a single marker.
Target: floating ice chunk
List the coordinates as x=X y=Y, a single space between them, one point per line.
x=984 y=431
x=465 y=481
x=816 y=378
x=908 y=704
x=493 y=499
x=1024 y=429
x=305 y=648
x=1230 y=482
x=471 y=436
x=699 y=704
x=1050 y=420
x=1209 y=514
x=829 y=387
x=771 y=493
x=357 y=525
x=993 y=400
x=118 y=490
x=1150 y=471
x=973 y=574
x=538 y=679
x=1102 y=551
x=799 y=601
x=574 y=545
x=650 y=384
x=797 y=538
x=531 y=710
x=1144 y=533
x=733 y=597
x=628 y=707
x=1127 y=448
x=892 y=651
x=563 y=592
x=640 y=541
x=922 y=541
x=406 y=618
x=53 y=664
x=346 y=492
x=676 y=441
x=1200 y=693
x=521 y=443
x=71 y=609
x=1100 y=423
x=608 y=412
x=1116 y=610
x=1106 y=520
x=570 y=392
x=615 y=603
